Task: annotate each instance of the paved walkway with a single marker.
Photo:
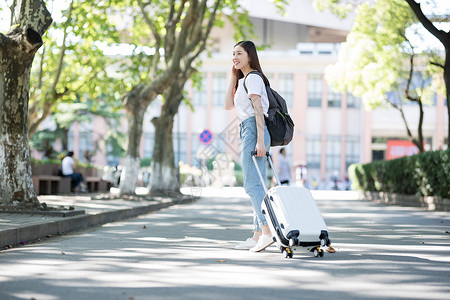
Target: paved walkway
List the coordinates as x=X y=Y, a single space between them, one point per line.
x=88 y=210
x=186 y=252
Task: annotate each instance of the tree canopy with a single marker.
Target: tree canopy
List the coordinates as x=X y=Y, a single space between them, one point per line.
x=385 y=59
x=374 y=60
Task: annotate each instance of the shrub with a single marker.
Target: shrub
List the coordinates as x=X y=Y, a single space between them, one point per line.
x=146 y=162
x=425 y=174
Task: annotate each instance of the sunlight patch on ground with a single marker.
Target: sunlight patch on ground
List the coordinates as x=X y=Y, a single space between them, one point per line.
x=33 y=295
x=239 y=192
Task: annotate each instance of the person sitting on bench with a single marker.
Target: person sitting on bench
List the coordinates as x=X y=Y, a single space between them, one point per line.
x=68 y=171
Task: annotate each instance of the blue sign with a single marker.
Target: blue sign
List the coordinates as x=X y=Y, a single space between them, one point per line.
x=206 y=137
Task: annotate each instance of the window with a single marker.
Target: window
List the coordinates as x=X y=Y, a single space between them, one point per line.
x=85 y=144
x=199 y=98
x=351 y=150
x=334 y=99
x=219 y=86
x=286 y=87
x=195 y=150
x=149 y=140
x=70 y=137
x=313 y=152
x=111 y=158
x=333 y=153
x=314 y=90
x=352 y=101
x=180 y=153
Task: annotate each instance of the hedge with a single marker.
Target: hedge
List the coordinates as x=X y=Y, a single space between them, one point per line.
x=425 y=174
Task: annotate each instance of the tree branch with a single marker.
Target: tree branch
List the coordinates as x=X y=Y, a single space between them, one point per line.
x=211 y=20
x=62 y=51
x=411 y=73
x=439 y=34
x=205 y=36
x=171 y=25
x=33 y=126
x=408 y=131
x=195 y=35
x=156 y=35
x=12 y=8
x=33 y=14
x=150 y=24
x=437 y=64
x=180 y=44
x=41 y=69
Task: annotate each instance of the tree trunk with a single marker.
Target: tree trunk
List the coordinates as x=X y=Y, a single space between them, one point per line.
x=135 y=108
x=135 y=103
x=447 y=88
x=17 y=50
x=164 y=179
x=420 y=128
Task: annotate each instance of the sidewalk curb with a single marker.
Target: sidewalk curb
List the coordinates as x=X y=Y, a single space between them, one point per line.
x=26 y=234
x=430 y=203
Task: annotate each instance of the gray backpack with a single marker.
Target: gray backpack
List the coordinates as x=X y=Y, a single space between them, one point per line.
x=279 y=123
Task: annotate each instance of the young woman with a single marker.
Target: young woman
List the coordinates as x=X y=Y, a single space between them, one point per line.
x=251 y=106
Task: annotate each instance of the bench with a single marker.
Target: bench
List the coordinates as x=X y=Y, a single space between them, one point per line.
x=51 y=184
x=96 y=184
x=47 y=181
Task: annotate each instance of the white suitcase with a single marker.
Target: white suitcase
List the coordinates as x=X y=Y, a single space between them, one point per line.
x=293 y=217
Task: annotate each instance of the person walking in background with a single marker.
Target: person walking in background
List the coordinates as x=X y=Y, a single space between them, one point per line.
x=283 y=168
x=68 y=170
x=251 y=107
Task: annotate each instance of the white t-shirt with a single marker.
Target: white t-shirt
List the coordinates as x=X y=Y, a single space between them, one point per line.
x=67 y=164
x=255 y=85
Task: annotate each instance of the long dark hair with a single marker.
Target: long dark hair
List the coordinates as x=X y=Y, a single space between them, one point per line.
x=250 y=48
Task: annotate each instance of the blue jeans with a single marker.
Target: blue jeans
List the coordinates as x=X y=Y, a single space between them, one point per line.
x=252 y=183
x=77 y=178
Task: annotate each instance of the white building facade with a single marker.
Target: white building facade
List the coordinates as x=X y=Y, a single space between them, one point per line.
x=332 y=130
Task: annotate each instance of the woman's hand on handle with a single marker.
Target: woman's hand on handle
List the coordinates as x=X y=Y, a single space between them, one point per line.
x=260 y=149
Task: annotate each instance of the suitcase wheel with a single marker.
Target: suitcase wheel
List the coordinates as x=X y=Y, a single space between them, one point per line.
x=318 y=252
x=287 y=253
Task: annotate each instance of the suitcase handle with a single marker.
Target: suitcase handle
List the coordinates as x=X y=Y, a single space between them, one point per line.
x=269 y=158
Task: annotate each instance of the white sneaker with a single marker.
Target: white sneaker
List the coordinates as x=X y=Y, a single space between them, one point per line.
x=249 y=243
x=263 y=242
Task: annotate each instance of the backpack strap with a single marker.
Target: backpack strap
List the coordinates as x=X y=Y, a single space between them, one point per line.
x=252 y=72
